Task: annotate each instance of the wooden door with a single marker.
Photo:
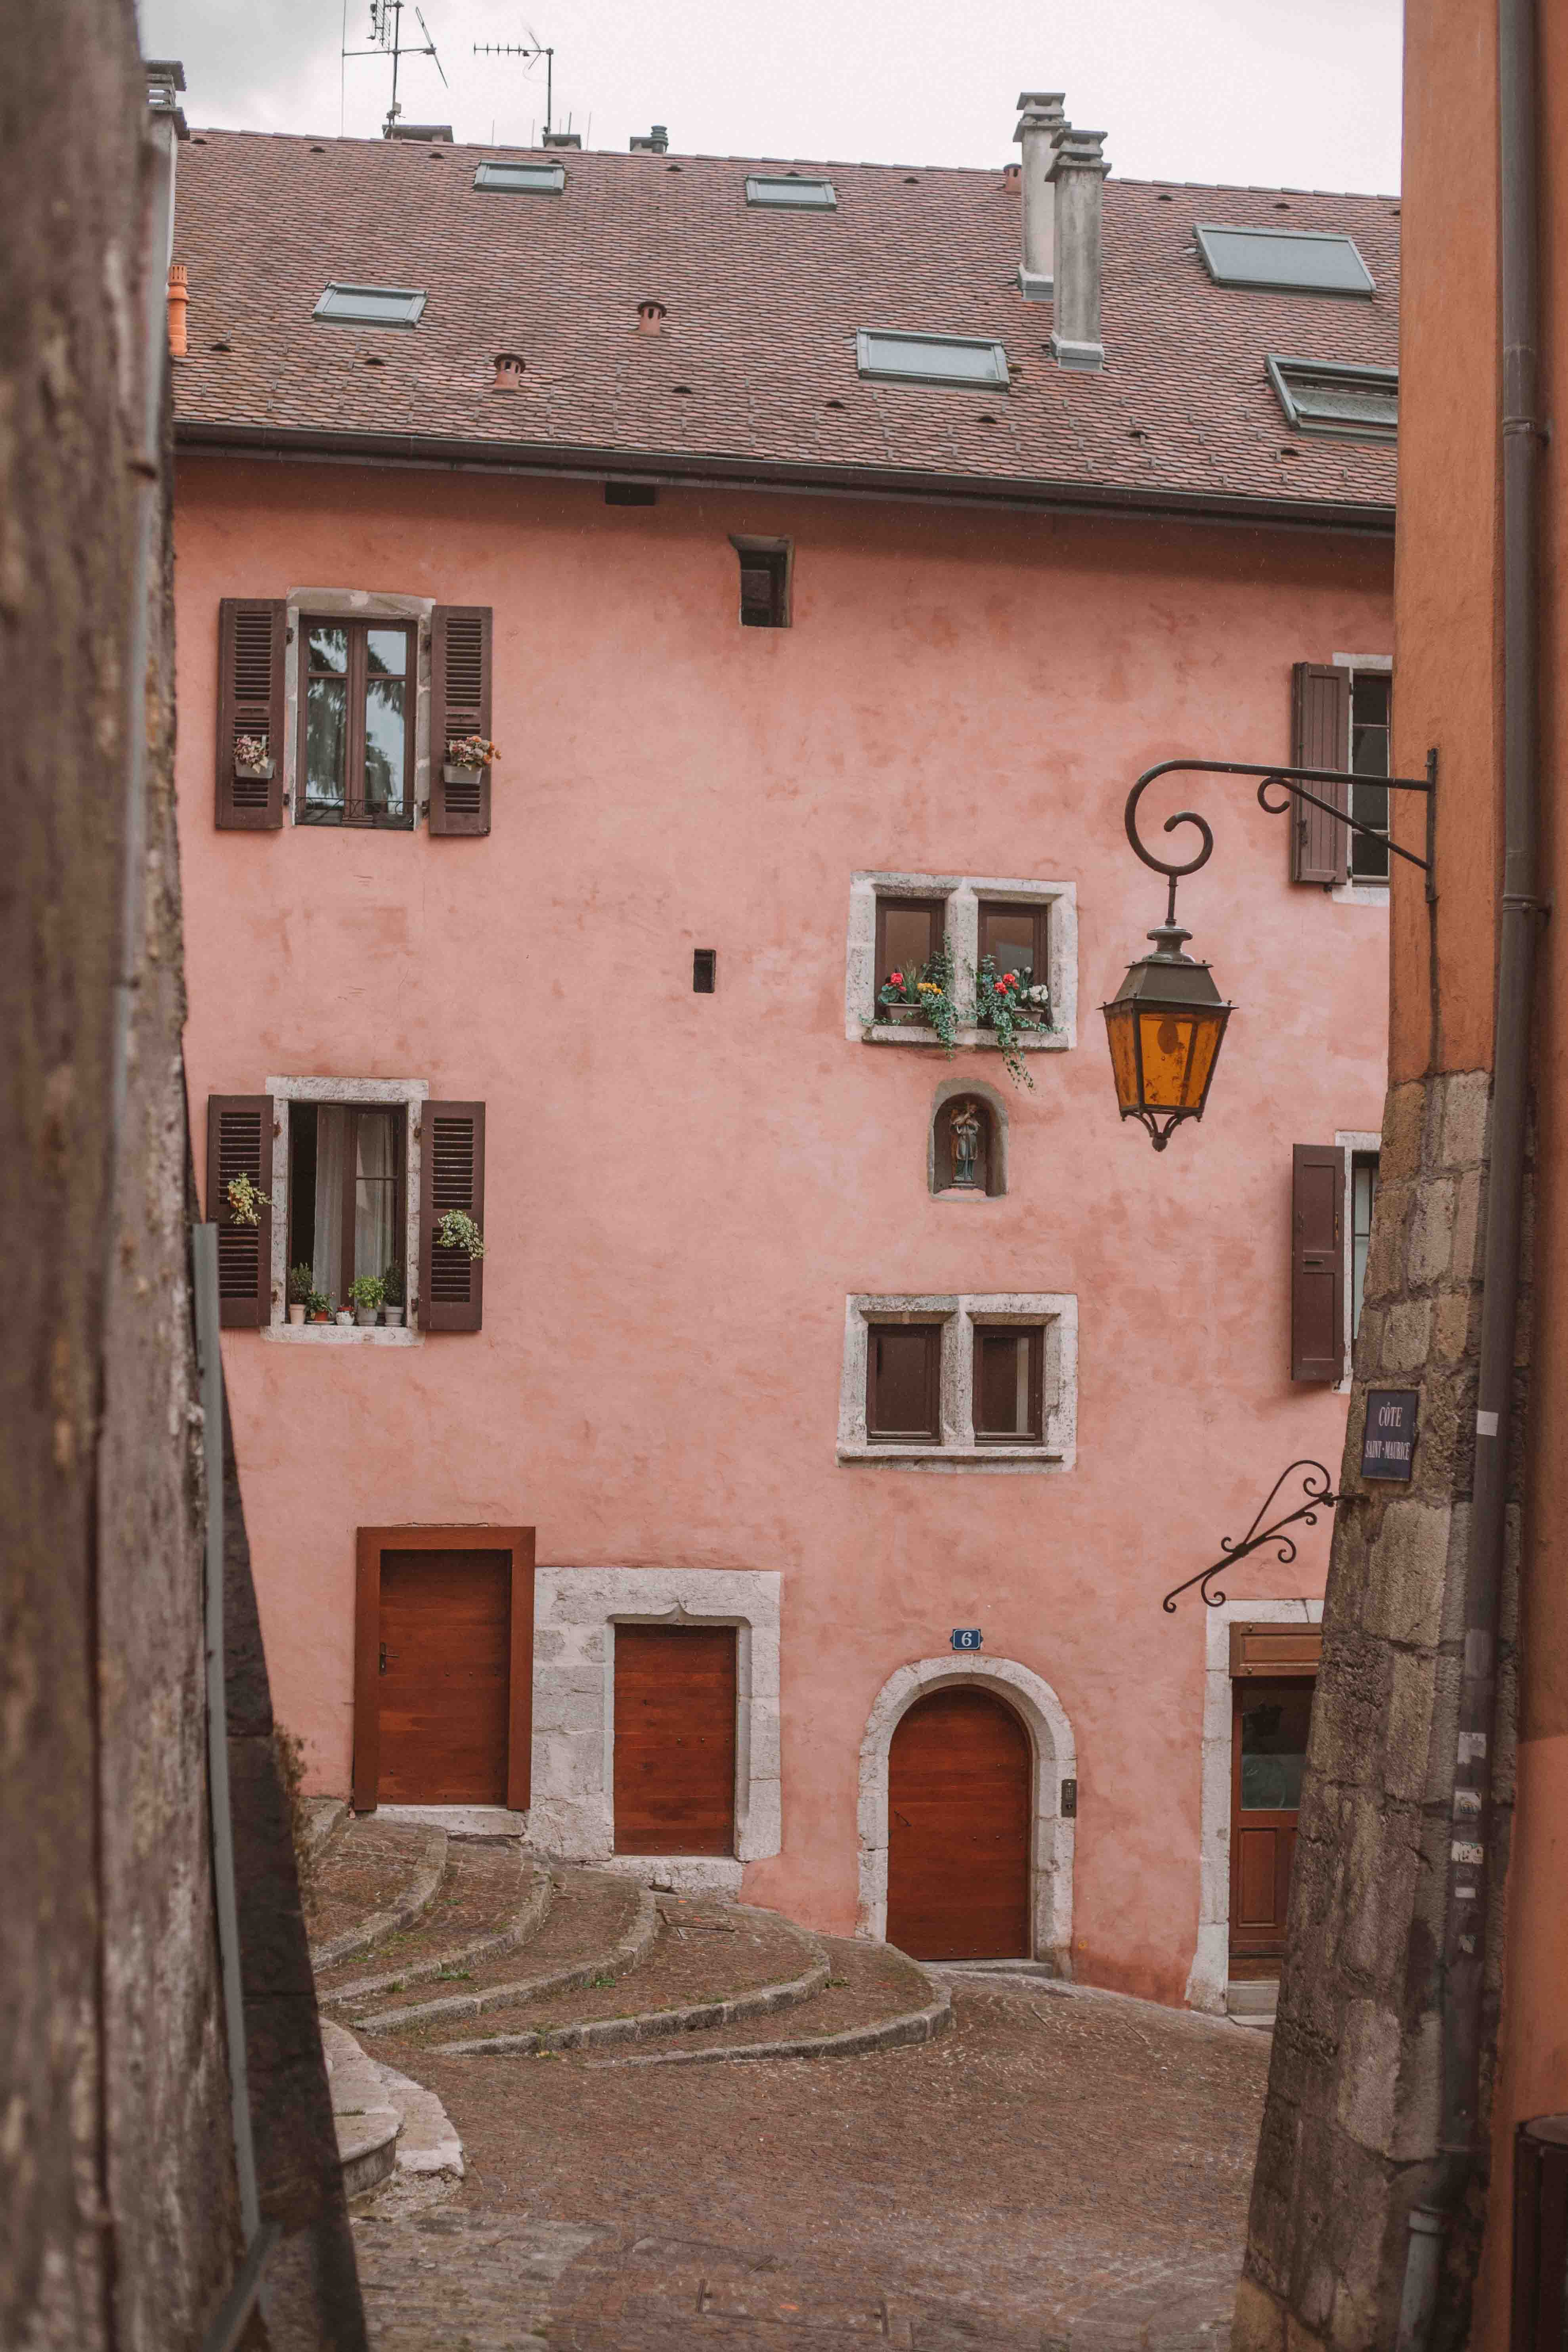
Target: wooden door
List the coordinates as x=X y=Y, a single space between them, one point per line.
x=675 y=1740
x=444 y=1676
x=959 y=1811
x=1269 y=1752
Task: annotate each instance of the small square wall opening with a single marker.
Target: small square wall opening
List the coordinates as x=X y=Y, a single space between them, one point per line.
x=764 y=582
x=630 y=494
x=704 y=971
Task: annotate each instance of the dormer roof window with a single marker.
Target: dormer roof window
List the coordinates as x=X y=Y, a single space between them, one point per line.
x=1284 y=260
x=522 y=179
x=886 y=355
x=1350 y=404
x=788 y=192
x=371 y=306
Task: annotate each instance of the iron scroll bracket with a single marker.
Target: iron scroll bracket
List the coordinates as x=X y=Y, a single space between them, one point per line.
x=1317 y=1491
x=1292 y=782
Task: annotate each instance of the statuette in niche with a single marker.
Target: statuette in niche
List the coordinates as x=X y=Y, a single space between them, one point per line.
x=965 y=1131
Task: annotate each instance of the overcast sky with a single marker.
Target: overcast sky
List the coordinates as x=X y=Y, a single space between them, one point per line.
x=1299 y=93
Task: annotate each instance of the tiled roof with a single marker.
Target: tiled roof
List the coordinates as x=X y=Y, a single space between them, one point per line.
x=754 y=372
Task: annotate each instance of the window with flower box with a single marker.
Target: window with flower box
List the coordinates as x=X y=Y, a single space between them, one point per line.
x=925 y=954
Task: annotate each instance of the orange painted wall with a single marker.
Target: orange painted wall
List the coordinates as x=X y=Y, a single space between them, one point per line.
x=681 y=1190
x=1450 y=649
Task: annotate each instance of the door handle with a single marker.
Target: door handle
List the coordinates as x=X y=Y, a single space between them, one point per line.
x=382 y=1667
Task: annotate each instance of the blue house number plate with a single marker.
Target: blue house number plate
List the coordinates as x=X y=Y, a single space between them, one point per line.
x=966 y=1637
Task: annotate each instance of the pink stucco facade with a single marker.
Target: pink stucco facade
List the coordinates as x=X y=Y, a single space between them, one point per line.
x=683 y=1189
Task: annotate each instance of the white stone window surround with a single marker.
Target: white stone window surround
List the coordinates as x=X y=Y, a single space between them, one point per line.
x=964 y=893
x=411 y=1095
x=1055 y=1760
x=958 y=1314
x=1354 y=1141
x=357 y=604
x=1364 y=894
x=576 y=1611
x=1210 y=1972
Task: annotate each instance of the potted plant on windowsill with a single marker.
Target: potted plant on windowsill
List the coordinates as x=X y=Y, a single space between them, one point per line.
x=923 y=999
x=368 y=1291
x=1012 y=1008
x=246 y=1200
x=317 y=1308
x=252 y=757
x=393 y=1296
x=300 y=1287
x=467 y=757
x=457 y=1231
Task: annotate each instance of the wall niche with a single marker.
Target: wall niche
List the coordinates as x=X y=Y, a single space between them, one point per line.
x=967 y=1148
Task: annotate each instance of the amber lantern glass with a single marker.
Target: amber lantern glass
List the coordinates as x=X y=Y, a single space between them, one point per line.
x=1164 y=1026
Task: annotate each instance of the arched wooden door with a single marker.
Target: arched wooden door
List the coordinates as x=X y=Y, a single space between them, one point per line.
x=960 y=1809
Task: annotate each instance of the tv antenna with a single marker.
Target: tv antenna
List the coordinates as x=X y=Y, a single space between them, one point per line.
x=533 y=49
x=387 y=38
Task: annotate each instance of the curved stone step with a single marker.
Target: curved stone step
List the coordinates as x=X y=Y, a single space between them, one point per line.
x=372 y=1880
x=598 y=1927
x=384 y=2123
x=767 y=1937
x=875 y=1999
x=492 y=1899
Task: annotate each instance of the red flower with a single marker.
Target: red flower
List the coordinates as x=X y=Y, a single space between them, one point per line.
x=896 y=979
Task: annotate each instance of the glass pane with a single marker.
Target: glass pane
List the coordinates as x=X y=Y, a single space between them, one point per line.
x=899 y=1358
x=1363 y=1188
x=331 y=1148
x=326 y=741
x=1008 y=937
x=328 y=648
x=376 y=1154
x=1274 y=1748
x=1001 y=1407
x=1369 y=805
x=386 y=652
x=909 y=939
x=949 y=362
x=375 y=1193
x=383 y=745
x=1178 y=1054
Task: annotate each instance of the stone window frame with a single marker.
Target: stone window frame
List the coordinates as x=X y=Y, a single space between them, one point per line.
x=1210 y=1973
x=958 y=1313
x=576 y=1611
x=1362 y=893
x=1355 y=1143
x=963 y=893
x=1054 y=1753
x=410 y=1095
x=357 y=604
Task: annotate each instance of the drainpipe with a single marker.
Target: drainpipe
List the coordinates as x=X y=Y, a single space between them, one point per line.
x=1470 y=1872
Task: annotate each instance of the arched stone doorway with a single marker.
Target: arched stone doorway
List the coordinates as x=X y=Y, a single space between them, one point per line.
x=960 y=1800
x=1053 y=1760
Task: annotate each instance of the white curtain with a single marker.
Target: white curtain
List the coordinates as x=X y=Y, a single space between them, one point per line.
x=331 y=1143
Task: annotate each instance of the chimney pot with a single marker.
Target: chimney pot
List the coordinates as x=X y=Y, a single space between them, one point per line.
x=650 y=318
x=508 y=369
x=1077 y=173
x=1040 y=116
x=179 y=298
x=656 y=143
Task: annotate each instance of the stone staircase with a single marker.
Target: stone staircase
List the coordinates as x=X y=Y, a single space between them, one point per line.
x=431 y=1942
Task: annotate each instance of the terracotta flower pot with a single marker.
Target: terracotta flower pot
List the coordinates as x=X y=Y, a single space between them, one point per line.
x=296 y=1314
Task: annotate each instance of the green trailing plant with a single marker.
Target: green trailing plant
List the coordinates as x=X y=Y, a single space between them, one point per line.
x=457 y=1231
x=301 y=1282
x=245 y=1201
x=1002 y=1003
x=933 y=990
x=367 y=1291
x=318 y=1303
x=393 y=1290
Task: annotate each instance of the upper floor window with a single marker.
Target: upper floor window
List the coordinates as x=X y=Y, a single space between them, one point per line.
x=345 y=1195
x=1364 y=1191
x=1340 y=721
x=1014 y=938
x=1371 y=691
x=356 y=737
x=1009 y=1385
x=903 y=1372
x=962 y=961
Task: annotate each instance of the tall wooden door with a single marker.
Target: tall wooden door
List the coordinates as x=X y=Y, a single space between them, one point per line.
x=444 y=1676
x=960 y=1810
x=1268 y=1753
x=675 y=1740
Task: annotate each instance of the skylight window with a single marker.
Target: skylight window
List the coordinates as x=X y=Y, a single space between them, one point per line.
x=1350 y=404
x=788 y=193
x=523 y=179
x=887 y=356
x=372 y=306
x=1288 y=260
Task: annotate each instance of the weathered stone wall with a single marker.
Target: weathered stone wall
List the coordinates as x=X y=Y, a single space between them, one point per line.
x=1350 y=2132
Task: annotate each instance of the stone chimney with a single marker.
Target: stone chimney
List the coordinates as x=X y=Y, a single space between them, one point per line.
x=656 y=143
x=179 y=298
x=1078 y=174
x=1040 y=116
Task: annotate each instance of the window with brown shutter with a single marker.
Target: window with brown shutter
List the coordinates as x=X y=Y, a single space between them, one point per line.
x=239 y=1143
x=251 y=635
x=347 y=1177
x=903 y=1375
x=451 y=1176
x=1320 y=737
x=1317 y=1262
x=1009 y=1386
x=459 y=705
x=357 y=689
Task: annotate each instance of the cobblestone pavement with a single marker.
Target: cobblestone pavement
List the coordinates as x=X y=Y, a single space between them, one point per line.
x=1059 y=2173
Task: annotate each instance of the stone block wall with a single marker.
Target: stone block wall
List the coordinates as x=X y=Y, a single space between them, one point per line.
x=1350 y=2127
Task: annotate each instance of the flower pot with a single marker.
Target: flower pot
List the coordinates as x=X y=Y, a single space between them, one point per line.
x=261 y=770
x=903 y=1016
x=365 y=1317
x=296 y=1314
x=393 y=1318
x=453 y=772
x=319 y=1319
x=345 y=1318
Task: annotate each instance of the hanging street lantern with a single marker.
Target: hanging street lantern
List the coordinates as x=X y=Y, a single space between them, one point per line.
x=1165 y=1025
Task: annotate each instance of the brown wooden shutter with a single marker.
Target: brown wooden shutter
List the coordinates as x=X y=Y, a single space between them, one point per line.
x=1317 y=1262
x=1320 y=737
x=251 y=635
x=1277 y=1652
x=451 y=1176
x=459 y=704
x=239 y=1142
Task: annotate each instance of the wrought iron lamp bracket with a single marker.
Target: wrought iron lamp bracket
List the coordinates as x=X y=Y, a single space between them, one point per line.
x=1292 y=782
x=1316 y=1487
